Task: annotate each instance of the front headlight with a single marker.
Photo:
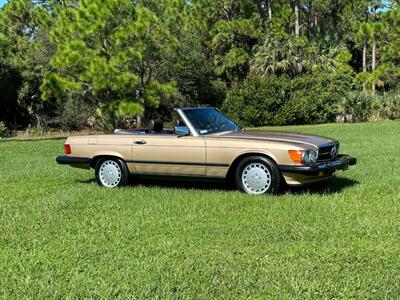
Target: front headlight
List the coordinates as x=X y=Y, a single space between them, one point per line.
x=304 y=156
x=310 y=156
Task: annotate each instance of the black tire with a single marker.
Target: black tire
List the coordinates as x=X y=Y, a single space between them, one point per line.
x=270 y=172
x=114 y=162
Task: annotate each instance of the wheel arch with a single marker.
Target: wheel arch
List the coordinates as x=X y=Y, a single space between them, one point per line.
x=97 y=157
x=231 y=171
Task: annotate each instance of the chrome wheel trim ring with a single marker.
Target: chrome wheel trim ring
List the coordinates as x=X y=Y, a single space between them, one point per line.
x=110 y=173
x=256 y=178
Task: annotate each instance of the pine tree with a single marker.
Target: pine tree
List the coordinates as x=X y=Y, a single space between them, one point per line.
x=110 y=51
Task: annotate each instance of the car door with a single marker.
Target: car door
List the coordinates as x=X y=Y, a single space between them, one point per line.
x=169 y=154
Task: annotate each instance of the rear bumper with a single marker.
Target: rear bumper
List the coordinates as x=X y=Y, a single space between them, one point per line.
x=77 y=162
x=342 y=162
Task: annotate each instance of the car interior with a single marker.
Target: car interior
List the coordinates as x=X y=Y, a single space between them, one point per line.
x=155 y=126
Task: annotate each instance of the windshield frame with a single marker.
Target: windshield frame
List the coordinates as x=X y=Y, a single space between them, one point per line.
x=192 y=128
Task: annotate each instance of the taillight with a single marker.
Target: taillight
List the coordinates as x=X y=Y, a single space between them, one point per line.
x=67 y=149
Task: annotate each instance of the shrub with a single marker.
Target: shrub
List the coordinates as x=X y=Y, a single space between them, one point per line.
x=74 y=114
x=256 y=101
x=278 y=100
x=3 y=130
x=362 y=106
x=357 y=104
x=389 y=105
x=313 y=98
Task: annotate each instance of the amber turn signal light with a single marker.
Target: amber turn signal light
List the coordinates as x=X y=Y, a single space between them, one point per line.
x=296 y=156
x=67 y=149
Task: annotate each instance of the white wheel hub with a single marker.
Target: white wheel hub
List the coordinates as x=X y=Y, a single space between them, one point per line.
x=256 y=178
x=110 y=173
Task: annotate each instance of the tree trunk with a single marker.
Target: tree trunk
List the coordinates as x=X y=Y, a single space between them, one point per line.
x=364 y=61
x=138 y=121
x=269 y=7
x=373 y=65
x=262 y=11
x=374 y=17
x=140 y=96
x=297 y=21
x=310 y=20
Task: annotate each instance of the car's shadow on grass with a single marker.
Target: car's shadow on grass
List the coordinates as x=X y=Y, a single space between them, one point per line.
x=331 y=186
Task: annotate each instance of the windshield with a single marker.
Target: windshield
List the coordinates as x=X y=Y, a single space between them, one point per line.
x=209 y=120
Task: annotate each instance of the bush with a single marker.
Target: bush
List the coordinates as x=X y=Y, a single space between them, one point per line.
x=359 y=106
x=279 y=100
x=3 y=130
x=74 y=114
x=389 y=105
x=362 y=106
x=256 y=101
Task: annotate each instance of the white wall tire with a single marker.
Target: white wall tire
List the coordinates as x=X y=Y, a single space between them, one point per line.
x=111 y=172
x=257 y=175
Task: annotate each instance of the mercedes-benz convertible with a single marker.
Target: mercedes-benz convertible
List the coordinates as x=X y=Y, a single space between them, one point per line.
x=206 y=144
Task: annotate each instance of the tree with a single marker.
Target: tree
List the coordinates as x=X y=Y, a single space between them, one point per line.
x=232 y=37
x=296 y=57
x=111 y=52
x=25 y=55
x=389 y=69
x=363 y=37
x=296 y=18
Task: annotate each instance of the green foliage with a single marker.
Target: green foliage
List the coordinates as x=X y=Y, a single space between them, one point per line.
x=389 y=106
x=389 y=70
x=275 y=100
x=363 y=106
x=297 y=57
x=3 y=130
x=313 y=98
x=74 y=114
x=146 y=57
x=25 y=51
x=232 y=37
x=359 y=105
x=110 y=62
x=256 y=100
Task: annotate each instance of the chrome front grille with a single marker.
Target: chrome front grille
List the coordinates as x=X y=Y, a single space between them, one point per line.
x=327 y=152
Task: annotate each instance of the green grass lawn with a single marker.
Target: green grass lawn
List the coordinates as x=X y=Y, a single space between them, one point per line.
x=62 y=236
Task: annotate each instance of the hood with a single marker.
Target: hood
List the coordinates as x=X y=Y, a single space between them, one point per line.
x=280 y=136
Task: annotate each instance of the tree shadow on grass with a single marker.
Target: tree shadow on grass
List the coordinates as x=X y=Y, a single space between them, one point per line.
x=331 y=186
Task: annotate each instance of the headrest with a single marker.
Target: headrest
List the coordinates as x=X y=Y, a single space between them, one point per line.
x=158 y=125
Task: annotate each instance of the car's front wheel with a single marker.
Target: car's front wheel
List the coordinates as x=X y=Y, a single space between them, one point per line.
x=258 y=175
x=111 y=172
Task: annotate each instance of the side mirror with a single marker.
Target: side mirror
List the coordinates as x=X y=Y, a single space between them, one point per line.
x=182 y=130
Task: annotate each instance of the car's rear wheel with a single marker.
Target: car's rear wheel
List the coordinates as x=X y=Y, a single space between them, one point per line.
x=258 y=175
x=111 y=172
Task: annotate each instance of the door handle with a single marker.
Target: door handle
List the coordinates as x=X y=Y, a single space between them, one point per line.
x=140 y=142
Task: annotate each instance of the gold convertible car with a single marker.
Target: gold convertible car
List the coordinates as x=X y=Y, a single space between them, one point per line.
x=207 y=144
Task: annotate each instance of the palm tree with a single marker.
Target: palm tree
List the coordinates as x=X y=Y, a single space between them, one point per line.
x=293 y=57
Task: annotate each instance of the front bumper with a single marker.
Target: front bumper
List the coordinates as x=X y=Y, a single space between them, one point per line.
x=342 y=162
x=77 y=162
